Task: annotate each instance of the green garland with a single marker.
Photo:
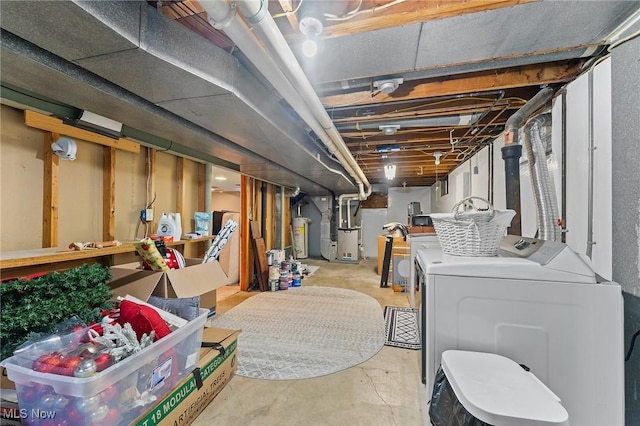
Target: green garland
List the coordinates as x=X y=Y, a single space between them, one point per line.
x=37 y=305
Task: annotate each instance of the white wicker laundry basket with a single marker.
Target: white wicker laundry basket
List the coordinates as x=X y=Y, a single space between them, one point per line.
x=477 y=232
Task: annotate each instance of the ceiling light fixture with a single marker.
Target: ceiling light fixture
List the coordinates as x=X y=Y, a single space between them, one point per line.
x=97 y=124
x=388 y=148
x=390 y=171
x=389 y=129
x=388 y=85
x=311 y=26
x=437 y=154
x=220 y=178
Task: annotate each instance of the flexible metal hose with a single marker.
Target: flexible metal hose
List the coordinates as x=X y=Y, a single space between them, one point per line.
x=536 y=135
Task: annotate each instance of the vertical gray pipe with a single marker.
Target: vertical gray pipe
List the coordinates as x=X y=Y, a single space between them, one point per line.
x=564 y=167
x=512 y=151
x=590 y=241
x=511 y=155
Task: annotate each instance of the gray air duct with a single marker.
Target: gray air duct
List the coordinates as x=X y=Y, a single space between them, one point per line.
x=536 y=137
x=512 y=151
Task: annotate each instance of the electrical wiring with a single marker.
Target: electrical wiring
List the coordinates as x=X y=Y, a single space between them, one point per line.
x=367 y=96
x=631 y=345
x=357 y=11
x=288 y=12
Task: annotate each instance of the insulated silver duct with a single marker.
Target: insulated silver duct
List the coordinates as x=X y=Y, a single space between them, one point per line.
x=536 y=137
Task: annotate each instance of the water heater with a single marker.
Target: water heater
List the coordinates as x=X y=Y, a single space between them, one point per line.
x=301 y=237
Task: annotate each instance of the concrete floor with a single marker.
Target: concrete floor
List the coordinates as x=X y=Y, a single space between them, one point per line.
x=385 y=390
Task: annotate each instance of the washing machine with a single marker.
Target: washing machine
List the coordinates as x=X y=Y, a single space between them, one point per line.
x=418 y=241
x=537 y=303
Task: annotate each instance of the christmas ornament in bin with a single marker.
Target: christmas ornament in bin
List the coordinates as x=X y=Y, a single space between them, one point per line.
x=107 y=373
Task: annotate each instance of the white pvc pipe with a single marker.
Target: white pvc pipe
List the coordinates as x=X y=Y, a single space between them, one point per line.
x=347 y=198
x=315 y=116
x=294 y=72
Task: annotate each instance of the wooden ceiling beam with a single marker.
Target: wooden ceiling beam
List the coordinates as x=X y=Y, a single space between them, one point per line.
x=287 y=6
x=410 y=12
x=526 y=75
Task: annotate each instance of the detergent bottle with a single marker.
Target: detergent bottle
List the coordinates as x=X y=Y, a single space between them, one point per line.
x=167 y=226
x=177 y=219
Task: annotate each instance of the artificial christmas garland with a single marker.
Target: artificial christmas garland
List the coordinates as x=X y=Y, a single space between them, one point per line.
x=33 y=307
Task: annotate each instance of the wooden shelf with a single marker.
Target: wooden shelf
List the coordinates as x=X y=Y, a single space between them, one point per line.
x=56 y=255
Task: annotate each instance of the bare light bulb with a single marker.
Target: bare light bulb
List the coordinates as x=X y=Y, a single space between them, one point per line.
x=309 y=48
x=437 y=154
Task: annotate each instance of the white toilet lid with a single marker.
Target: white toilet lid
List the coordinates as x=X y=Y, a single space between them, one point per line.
x=498 y=391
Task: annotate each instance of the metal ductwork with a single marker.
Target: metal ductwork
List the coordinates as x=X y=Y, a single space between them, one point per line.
x=512 y=151
x=286 y=75
x=536 y=137
x=125 y=61
x=442 y=121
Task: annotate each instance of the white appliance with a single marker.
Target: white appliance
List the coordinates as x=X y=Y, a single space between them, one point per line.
x=418 y=241
x=348 y=245
x=301 y=237
x=539 y=304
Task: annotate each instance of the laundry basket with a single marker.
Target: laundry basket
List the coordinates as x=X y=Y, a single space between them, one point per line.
x=476 y=232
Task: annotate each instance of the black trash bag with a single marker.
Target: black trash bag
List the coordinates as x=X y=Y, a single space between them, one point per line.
x=446 y=409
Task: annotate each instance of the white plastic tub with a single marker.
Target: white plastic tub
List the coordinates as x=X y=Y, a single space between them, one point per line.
x=117 y=395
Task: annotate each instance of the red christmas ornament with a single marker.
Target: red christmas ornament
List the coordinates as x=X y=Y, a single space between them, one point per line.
x=112 y=418
x=109 y=394
x=103 y=361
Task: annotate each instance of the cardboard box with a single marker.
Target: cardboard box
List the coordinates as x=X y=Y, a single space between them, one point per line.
x=382 y=241
x=185 y=402
x=401 y=271
x=10 y=414
x=422 y=230
x=5 y=383
x=196 y=279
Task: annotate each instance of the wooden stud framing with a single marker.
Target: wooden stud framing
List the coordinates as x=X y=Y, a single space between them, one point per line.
x=50 y=202
x=269 y=227
x=108 y=193
x=202 y=191
x=180 y=188
x=180 y=185
x=55 y=125
x=151 y=155
x=246 y=262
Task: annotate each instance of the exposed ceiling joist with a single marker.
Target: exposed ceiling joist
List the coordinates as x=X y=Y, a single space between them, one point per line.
x=387 y=14
x=528 y=75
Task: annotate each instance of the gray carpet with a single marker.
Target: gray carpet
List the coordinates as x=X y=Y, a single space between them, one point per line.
x=304 y=332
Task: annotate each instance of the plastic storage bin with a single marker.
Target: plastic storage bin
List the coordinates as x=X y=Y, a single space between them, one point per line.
x=115 y=396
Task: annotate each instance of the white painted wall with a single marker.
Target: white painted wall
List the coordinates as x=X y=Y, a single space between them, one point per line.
x=479 y=182
x=576 y=173
x=399 y=199
x=603 y=205
x=372 y=222
x=577 y=166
